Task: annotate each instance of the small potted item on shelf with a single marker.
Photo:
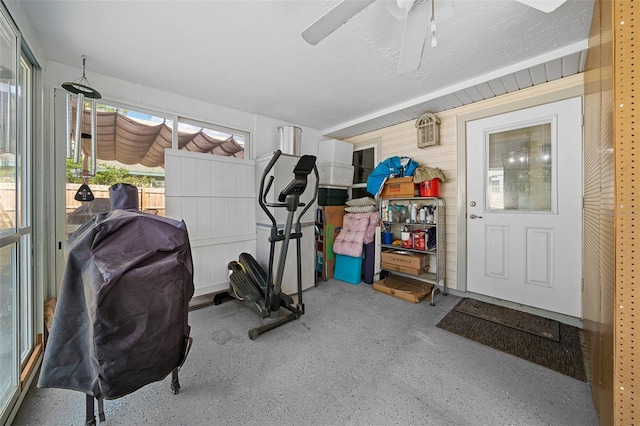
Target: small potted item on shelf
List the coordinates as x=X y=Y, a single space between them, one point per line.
x=430 y=214
x=387 y=235
x=413 y=212
x=431 y=239
x=407 y=238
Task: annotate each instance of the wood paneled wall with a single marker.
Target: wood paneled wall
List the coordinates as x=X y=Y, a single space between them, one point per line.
x=611 y=212
x=401 y=140
x=599 y=212
x=625 y=360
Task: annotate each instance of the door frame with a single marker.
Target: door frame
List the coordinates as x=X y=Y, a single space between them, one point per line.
x=461 y=165
x=376 y=144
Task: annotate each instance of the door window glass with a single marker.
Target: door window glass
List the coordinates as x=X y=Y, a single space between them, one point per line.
x=519 y=176
x=364 y=161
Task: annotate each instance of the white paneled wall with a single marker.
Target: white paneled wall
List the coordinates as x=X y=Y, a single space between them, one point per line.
x=216 y=198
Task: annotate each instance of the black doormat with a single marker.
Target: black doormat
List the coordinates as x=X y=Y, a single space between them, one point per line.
x=522 y=321
x=564 y=355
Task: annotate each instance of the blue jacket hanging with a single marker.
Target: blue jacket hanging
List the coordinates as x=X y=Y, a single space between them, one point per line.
x=391 y=167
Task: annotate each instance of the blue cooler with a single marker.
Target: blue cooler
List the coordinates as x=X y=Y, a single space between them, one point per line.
x=348 y=269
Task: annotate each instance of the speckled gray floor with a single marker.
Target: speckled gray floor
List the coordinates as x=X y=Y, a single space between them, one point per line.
x=356 y=357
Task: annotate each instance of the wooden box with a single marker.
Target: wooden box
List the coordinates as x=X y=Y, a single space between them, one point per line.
x=332 y=223
x=404 y=288
x=405 y=269
x=405 y=258
x=399 y=188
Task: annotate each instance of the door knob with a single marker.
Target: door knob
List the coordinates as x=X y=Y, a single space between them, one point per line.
x=474 y=216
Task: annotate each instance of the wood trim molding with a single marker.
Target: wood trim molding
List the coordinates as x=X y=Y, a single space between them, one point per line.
x=32 y=364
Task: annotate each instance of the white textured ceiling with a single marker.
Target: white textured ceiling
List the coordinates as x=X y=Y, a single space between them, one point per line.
x=249 y=55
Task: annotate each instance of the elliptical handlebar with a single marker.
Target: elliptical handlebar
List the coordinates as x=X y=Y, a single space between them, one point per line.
x=315 y=193
x=262 y=198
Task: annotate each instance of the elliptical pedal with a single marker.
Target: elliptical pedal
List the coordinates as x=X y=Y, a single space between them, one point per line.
x=243 y=288
x=253 y=269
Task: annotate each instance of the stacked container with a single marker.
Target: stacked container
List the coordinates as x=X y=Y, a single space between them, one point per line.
x=335 y=170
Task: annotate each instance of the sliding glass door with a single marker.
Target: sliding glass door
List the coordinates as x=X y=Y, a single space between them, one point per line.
x=27 y=338
x=16 y=286
x=9 y=218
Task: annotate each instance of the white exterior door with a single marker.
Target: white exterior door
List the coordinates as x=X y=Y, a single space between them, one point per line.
x=524 y=206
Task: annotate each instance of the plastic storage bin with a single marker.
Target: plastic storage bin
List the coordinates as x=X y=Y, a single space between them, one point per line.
x=348 y=269
x=332 y=196
x=335 y=151
x=335 y=174
x=429 y=188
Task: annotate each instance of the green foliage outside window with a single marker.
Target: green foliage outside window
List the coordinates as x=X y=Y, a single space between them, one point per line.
x=108 y=175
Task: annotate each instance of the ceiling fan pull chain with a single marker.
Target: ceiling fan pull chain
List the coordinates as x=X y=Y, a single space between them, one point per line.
x=434 y=42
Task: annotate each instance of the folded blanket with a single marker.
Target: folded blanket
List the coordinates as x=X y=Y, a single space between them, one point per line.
x=357 y=229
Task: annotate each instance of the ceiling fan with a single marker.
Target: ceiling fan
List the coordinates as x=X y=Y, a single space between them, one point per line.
x=419 y=18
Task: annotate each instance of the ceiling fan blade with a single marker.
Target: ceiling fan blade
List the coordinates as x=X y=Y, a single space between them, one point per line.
x=333 y=19
x=547 y=6
x=416 y=28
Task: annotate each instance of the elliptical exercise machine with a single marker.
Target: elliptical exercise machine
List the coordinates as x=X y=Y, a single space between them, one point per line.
x=248 y=281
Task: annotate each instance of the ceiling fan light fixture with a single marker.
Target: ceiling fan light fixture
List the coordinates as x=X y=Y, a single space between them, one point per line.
x=399 y=8
x=434 y=42
x=405 y=4
x=416 y=29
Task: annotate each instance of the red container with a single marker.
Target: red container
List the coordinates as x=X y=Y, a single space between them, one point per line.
x=430 y=188
x=419 y=240
x=407 y=239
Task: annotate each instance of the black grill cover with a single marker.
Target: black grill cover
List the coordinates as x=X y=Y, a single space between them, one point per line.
x=121 y=320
